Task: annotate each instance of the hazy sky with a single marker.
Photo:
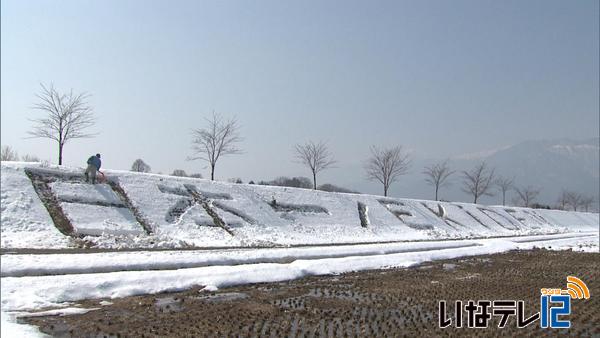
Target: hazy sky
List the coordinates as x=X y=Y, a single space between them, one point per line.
x=439 y=77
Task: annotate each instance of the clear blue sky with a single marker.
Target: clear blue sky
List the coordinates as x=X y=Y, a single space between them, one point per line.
x=439 y=77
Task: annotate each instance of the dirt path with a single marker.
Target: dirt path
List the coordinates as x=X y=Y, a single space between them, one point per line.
x=395 y=302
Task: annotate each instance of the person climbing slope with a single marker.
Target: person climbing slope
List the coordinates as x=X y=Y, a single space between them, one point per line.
x=93 y=167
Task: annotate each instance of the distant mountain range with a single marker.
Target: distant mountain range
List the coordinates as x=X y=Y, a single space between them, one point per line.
x=550 y=165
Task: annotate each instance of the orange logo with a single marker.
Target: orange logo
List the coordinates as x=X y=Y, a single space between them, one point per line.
x=576 y=288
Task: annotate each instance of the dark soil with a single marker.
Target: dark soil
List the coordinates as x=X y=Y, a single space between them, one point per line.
x=42 y=188
x=394 y=302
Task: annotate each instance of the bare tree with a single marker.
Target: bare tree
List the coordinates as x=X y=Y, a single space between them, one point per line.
x=437 y=175
x=527 y=195
x=563 y=199
x=386 y=165
x=574 y=199
x=179 y=172
x=30 y=158
x=478 y=182
x=8 y=154
x=315 y=156
x=67 y=117
x=140 y=166
x=586 y=202
x=218 y=139
x=505 y=184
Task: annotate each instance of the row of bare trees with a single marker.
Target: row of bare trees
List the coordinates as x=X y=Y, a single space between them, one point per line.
x=68 y=116
x=477 y=182
x=481 y=180
x=7 y=153
x=388 y=164
x=220 y=138
x=574 y=201
x=385 y=165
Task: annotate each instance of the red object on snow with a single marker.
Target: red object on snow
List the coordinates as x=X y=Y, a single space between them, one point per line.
x=101 y=177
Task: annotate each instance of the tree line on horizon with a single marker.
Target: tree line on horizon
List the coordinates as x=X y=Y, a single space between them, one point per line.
x=68 y=116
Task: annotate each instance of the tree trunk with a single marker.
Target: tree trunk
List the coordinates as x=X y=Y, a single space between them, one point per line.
x=212 y=172
x=503 y=198
x=60 y=153
x=314 y=180
x=475 y=200
x=385 y=189
x=436 y=192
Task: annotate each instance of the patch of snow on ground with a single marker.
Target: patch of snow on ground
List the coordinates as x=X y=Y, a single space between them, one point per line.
x=95 y=220
x=85 y=193
x=10 y=328
x=26 y=293
x=25 y=223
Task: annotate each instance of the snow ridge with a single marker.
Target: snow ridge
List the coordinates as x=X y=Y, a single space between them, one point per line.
x=134 y=210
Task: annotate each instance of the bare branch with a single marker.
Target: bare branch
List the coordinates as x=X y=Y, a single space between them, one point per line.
x=586 y=202
x=527 y=195
x=67 y=117
x=505 y=184
x=387 y=165
x=315 y=156
x=563 y=199
x=437 y=175
x=8 y=154
x=574 y=199
x=478 y=182
x=218 y=139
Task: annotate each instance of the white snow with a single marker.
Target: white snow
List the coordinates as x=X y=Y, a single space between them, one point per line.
x=24 y=219
x=263 y=220
x=35 y=265
x=84 y=193
x=10 y=328
x=15 y=265
x=95 y=220
x=26 y=293
x=57 y=312
x=299 y=216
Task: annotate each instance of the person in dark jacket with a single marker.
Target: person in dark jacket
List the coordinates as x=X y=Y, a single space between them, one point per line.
x=94 y=164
